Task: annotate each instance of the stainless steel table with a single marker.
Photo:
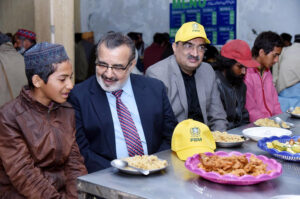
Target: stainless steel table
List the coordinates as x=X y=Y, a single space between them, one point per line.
x=177 y=182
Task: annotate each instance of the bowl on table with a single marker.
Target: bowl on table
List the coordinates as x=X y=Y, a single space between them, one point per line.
x=257 y=133
x=226 y=140
x=295 y=112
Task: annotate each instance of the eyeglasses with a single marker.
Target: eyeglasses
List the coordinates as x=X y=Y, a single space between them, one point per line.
x=189 y=47
x=116 y=67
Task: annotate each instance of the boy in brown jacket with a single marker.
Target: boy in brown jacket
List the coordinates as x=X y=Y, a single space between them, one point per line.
x=39 y=156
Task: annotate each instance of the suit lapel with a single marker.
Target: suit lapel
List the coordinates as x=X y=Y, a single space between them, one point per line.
x=141 y=98
x=102 y=109
x=178 y=79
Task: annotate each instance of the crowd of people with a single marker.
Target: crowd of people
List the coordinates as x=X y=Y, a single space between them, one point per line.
x=52 y=132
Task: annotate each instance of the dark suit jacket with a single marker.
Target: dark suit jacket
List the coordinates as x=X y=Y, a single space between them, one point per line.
x=95 y=130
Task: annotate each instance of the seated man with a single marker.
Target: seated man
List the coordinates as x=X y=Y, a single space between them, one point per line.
x=261 y=96
x=39 y=156
x=288 y=83
x=119 y=114
x=191 y=83
x=235 y=55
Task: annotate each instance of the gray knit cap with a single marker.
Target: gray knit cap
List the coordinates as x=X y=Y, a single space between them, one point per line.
x=44 y=54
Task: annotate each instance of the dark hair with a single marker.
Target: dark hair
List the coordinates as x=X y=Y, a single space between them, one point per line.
x=166 y=36
x=211 y=53
x=9 y=35
x=286 y=37
x=14 y=38
x=297 y=38
x=133 y=35
x=78 y=37
x=43 y=72
x=266 y=41
x=223 y=63
x=114 y=40
x=158 y=38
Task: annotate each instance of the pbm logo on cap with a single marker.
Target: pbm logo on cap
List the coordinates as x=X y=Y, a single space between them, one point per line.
x=195 y=134
x=195 y=28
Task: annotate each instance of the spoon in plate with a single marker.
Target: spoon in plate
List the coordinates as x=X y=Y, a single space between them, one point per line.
x=118 y=163
x=290 y=110
x=279 y=121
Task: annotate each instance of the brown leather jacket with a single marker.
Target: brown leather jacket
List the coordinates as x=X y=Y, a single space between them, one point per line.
x=39 y=156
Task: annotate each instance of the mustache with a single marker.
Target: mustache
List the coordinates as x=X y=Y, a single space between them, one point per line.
x=194 y=57
x=110 y=79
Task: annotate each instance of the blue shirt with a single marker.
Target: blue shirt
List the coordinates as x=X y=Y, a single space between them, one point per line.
x=128 y=100
x=289 y=97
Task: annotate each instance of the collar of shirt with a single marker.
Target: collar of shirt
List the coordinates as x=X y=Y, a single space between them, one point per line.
x=127 y=89
x=186 y=76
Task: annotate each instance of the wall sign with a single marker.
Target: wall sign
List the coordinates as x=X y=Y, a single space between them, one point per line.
x=217 y=16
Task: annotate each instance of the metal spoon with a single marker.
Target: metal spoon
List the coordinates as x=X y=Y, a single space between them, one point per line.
x=279 y=121
x=290 y=110
x=123 y=164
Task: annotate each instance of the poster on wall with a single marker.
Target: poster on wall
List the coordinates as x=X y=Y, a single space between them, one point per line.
x=217 y=16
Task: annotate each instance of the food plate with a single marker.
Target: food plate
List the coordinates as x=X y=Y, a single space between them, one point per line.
x=132 y=171
x=279 y=154
x=291 y=109
x=295 y=115
x=192 y=165
x=291 y=125
x=257 y=133
x=288 y=125
x=231 y=144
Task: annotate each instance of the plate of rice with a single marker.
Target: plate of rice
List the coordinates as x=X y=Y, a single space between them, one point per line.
x=145 y=162
x=224 y=139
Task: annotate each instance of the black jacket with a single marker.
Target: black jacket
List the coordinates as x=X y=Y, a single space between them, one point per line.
x=233 y=99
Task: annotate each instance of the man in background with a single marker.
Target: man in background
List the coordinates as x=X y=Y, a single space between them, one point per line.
x=12 y=70
x=288 y=83
x=25 y=40
x=153 y=53
x=81 y=62
x=137 y=38
x=230 y=71
x=287 y=39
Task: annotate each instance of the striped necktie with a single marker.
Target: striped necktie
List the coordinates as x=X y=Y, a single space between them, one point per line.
x=132 y=138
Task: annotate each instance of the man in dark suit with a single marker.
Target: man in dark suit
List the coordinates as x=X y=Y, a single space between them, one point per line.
x=102 y=134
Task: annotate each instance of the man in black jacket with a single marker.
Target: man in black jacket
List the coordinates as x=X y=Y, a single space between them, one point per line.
x=235 y=55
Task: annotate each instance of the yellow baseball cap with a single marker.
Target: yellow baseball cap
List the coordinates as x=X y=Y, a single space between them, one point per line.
x=191 y=30
x=191 y=137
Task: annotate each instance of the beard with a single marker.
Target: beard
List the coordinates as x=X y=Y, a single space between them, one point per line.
x=235 y=80
x=109 y=88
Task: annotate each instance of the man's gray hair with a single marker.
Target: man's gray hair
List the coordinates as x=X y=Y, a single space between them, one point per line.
x=116 y=39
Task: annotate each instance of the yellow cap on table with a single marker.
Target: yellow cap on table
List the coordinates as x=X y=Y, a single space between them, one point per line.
x=191 y=30
x=191 y=137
